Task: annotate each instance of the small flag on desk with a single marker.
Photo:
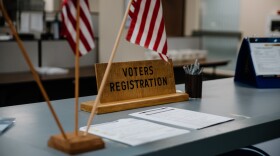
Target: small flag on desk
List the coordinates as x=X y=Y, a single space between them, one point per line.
x=147 y=26
x=69 y=25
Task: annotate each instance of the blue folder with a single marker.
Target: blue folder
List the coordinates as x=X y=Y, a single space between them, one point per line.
x=245 y=70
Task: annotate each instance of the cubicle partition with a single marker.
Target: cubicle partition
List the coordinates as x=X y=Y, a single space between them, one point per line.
x=17 y=85
x=190 y=42
x=51 y=53
x=11 y=58
x=57 y=53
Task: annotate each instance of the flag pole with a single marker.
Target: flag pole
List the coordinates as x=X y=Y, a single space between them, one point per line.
x=108 y=68
x=29 y=63
x=77 y=71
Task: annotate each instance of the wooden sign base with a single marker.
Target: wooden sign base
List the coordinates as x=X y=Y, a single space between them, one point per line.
x=134 y=103
x=135 y=84
x=76 y=144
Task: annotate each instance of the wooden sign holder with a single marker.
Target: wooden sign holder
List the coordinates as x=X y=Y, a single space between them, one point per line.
x=109 y=107
x=245 y=70
x=135 y=84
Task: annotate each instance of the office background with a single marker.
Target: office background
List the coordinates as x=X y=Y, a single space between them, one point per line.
x=220 y=26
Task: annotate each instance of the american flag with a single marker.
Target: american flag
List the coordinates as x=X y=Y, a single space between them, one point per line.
x=69 y=10
x=147 y=26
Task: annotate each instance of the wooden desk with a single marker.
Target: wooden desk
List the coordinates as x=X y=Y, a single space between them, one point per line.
x=34 y=124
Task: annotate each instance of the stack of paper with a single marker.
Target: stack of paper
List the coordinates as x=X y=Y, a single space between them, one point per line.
x=181 y=117
x=133 y=131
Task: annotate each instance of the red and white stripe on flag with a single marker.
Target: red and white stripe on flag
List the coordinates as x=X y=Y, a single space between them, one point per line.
x=69 y=11
x=147 y=26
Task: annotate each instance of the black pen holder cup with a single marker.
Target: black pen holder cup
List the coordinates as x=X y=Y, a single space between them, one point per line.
x=193 y=85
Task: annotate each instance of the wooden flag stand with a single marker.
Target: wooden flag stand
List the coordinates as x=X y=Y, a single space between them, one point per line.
x=135 y=84
x=71 y=143
x=77 y=142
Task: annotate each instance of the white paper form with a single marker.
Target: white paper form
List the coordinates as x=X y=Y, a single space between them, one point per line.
x=134 y=131
x=181 y=117
x=36 y=21
x=266 y=58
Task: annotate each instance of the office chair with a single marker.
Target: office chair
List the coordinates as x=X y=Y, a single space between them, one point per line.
x=246 y=151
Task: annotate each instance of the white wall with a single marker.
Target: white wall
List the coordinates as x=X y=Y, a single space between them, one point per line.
x=52 y=5
x=253 y=18
x=192 y=16
x=254 y=13
x=94 y=5
x=110 y=16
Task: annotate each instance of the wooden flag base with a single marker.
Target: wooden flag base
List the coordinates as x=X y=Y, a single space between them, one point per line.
x=76 y=144
x=134 y=103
